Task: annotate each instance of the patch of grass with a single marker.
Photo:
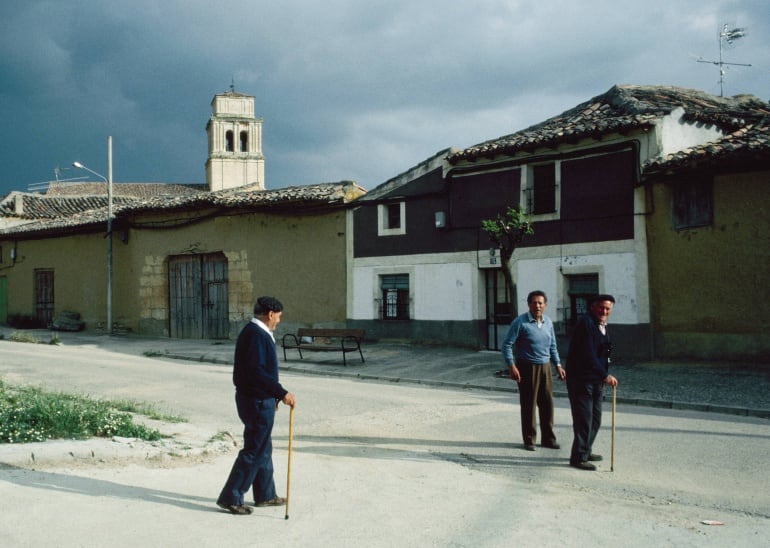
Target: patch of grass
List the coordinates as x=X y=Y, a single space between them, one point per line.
x=29 y=414
x=152 y=353
x=18 y=336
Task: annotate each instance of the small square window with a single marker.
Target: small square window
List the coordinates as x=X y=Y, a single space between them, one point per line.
x=391 y=219
x=692 y=204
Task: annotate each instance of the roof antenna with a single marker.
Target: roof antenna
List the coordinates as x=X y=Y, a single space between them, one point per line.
x=232 y=85
x=726 y=35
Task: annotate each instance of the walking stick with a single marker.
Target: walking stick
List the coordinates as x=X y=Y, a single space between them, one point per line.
x=288 y=471
x=612 y=449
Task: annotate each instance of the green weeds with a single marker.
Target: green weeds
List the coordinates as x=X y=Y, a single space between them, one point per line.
x=29 y=414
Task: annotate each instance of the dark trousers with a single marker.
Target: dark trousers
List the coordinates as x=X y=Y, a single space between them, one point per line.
x=585 y=400
x=253 y=468
x=536 y=389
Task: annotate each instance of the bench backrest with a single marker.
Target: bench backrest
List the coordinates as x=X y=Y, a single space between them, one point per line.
x=320 y=332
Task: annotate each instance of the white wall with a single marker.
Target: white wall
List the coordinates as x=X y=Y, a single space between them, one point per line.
x=616 y=264
x=442 y=286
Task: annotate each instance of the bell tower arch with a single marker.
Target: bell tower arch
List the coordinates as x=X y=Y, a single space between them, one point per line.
x=235 y=143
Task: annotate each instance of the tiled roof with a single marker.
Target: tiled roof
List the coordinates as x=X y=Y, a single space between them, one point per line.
x=93 y=210
x=743 y=147
x=622 y=109
x=36 y=206
x=296 y=197
x=142 y=191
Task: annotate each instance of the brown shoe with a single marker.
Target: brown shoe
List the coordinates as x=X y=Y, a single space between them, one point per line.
x=238 y=509
x=593 y=457
x=276 y=501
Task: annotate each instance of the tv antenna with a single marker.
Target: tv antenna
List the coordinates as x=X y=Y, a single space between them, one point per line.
x=728 y=35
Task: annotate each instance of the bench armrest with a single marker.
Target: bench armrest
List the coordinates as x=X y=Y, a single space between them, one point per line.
x=353 y=342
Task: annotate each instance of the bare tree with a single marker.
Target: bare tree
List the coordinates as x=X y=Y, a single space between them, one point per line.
x=507 y=230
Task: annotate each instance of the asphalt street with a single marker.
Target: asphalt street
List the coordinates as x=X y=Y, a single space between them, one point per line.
x=425 y=452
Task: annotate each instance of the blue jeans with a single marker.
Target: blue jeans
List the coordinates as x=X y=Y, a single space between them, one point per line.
x=585 y=401
x=253 y=468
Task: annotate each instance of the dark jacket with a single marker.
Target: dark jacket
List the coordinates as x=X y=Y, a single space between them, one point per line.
x=255 y=372
x=588 y=358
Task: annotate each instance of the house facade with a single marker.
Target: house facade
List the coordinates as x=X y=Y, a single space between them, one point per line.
x=185 y=267
x=418 y=242
x=709 y=230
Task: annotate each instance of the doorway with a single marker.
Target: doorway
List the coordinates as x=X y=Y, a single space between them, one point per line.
x=198 y=307
x=498 y=306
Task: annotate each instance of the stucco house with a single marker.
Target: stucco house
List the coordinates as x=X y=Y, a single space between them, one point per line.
x=708 y=230
x=184 y=266
x=423 y=269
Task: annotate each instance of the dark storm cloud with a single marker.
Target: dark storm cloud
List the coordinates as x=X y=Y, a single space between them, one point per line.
x=347 y=89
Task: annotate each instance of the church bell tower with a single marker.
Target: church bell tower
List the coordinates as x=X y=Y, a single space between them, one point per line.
x=235 y=143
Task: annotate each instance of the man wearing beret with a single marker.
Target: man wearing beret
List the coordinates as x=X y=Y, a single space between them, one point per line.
x=257 y=393
x=588 y=361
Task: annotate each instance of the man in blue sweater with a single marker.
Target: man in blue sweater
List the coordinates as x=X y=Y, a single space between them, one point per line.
x=588 y=361
x=533 y=337
x=257 y=393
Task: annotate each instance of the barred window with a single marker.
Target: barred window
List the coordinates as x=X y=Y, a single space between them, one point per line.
x=395 y=297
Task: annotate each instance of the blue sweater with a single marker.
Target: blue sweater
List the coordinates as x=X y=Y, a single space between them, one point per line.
x=255 y=372
x=533 y=344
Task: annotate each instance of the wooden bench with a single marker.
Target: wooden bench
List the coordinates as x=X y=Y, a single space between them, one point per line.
x=325 y=340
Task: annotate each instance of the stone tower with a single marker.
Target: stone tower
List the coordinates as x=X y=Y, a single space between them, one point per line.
x=235 y=143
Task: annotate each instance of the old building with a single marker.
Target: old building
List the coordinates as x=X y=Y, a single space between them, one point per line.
x=709 y=234
x=181 y=260
x=423 y=269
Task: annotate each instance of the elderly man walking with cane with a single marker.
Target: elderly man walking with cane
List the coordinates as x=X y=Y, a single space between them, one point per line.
x=257 y=393
x=588 y=361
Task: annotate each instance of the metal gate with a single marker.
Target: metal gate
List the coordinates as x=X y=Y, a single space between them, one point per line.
x=198 y=307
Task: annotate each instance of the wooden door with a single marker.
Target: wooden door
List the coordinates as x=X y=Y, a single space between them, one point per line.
x=214 y=290
x=3 y=299
x=198 y=307
x=44 y=297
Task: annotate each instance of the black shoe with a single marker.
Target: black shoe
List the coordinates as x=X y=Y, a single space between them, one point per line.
x=585 y=465
x=529 y=447
x=552 y=445
x=238 y=509
x=594 y=457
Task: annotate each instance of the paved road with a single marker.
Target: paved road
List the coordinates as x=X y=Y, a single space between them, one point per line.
x=375 y=464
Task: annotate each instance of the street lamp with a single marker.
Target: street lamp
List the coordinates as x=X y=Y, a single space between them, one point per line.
x=107 y=180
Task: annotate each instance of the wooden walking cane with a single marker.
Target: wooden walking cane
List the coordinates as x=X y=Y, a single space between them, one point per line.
x=288 y=471
x=612 y=449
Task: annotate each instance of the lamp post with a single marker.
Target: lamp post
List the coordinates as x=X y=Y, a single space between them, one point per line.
x=107 y=180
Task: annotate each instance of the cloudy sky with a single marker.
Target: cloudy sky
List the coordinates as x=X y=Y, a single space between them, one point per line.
x=348 y=89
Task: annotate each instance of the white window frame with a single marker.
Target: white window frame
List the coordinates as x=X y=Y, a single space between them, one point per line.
x=382 y=220
x=527 y=187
